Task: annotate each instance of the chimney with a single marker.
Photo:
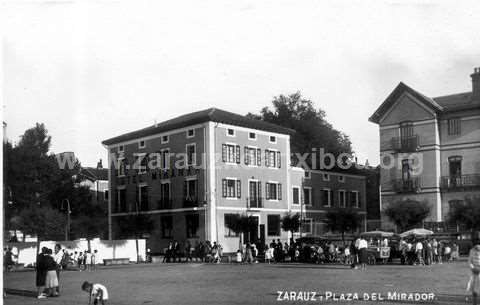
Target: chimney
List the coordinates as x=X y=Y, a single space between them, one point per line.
x=476 y=84
x=99 y=164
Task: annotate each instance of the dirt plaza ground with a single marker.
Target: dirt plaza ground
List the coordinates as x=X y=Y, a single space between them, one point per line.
x=250 y=284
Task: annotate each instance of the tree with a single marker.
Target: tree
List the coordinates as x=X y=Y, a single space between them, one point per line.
x=467 y=213
x=312 y=128
x=291 y=223
x=343 y=220
x=407 y=214
x=241 y=224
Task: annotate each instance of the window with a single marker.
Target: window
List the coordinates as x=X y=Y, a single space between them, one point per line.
x=273 y=139
x=341 y=178
x=307 y=226
x=190 y=133
x=142 y=198
x=141 y=162
x=326 y=177
x=141 y=144
x=454 y=126
x=406 y=130
x=167 y=225
x=165 y=158
x=354 y=202
x=229 y=219
x=122 y=200
x=296 y=195
x=105 y=195
x=253 y=156
x=406 y=169
x=341 y=199
x=326 y=197
x=231 y=188
x=121 y=148
x=230 y=132
x=455 y=170
x=190 y=190
x=308 y=174
x=165 y=139
x=122 y=167
x=272 y=158
x=252 y=136
x=273 y=191
x=191 y=155
x=192 y=222
x=165 y=200
x=231 y=153
x=307 y=195
x=273 y=225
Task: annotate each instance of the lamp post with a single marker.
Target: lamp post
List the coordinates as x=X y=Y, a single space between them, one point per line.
x=67 y=229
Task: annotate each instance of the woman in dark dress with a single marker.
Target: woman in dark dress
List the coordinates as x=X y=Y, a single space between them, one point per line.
x=41 y=273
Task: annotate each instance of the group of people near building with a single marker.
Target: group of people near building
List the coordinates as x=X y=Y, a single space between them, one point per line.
x=202 y=251
x=49 y=264
x=425 y=251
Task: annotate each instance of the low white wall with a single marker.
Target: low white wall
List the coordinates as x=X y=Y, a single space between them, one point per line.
x=26 y=252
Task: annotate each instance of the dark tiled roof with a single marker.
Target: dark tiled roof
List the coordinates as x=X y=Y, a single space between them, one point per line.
x=207 y=115
x=94 y=174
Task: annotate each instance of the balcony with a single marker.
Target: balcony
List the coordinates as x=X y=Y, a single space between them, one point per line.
x=190 y=202
x=405 y=144
x=460 y=183
x=165 y=204
x=254 y=202
x=411 y=185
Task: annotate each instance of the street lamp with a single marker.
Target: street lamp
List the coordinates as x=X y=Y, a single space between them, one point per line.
x=69 y=211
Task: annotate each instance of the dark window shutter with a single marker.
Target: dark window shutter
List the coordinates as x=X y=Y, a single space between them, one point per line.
x=245 y=156
x=279 y=159
x=185 y=194
x=237 y=153
x=239 y=193
x=259 y=157
x=224 y=152
x=267 y=191
x=224 y=187
x=279 y=191
x=266 y=158
x=259 y=189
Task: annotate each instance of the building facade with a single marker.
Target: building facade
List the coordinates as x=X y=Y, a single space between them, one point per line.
x=194 y=172
x=429 y=149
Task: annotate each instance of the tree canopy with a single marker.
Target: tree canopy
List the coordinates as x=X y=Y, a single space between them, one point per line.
x=407 y=214
x=291 y=222
x=312 y=129
x=467 y=213
x=343 y=220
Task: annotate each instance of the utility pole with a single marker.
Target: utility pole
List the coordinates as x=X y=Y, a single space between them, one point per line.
x=67 y=229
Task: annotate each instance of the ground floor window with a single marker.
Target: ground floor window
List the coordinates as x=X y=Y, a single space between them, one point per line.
x=167 y=226
x=296 y=195
x=307 y=226
x=192 y=222
x=273 y=224
x=307 y=195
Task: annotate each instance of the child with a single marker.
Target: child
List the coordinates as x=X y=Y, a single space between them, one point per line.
x=346 y=252
x=93 y=261
x=239 y=257
x=88 y=260
x=268 y=254
x=97 y=291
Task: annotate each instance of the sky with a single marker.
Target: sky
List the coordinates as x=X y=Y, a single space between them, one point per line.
x=91 y=70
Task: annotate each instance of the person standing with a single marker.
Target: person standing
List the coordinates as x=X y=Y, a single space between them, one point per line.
x=58 y=258
x=41 y=276
x=419 y=252
x=473 y=285
x=363 y=252
x=51 y=280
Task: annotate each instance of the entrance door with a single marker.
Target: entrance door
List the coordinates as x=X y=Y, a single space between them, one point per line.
x=253 y=234
x=455 y=168
x=262 y=238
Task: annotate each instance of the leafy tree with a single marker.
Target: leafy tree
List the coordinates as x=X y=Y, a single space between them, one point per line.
x=343 y=220
x=312 y=128
x=241 y=224
x=408 y=213
x=467 y=213
x=291 y=223
x=135 y=226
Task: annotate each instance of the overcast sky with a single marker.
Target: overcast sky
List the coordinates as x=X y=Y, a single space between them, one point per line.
x=93 y=70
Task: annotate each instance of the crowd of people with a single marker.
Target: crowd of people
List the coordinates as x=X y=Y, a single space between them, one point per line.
x=426 y=251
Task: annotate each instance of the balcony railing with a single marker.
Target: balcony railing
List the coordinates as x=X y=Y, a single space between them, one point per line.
x=254 y=202
x=405 y=144
x=411 y=185
x=453 y=183
x=190 y=202
x=165 y=204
